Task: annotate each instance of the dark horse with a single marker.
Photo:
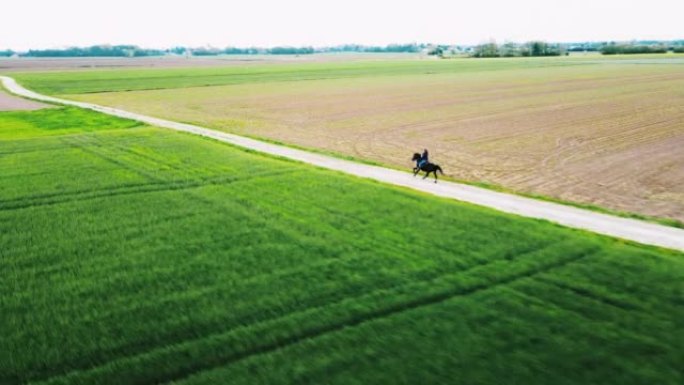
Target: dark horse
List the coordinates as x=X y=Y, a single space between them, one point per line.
x=427 y=167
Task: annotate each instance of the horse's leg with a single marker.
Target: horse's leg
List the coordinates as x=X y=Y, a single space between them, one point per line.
x=415 y=171
x=435 y=172
x=426 y=174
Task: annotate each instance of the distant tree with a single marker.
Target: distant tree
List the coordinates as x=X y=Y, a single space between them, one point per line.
x=436 y=51
x=486 y=50
x=510 y=50
x=177 y=50
x=631 y=48
x=540 y=48
x=402 y=48
x=236 y=51
x=533 y=48
x=6 y=53
x=291 y=50
x=206 y=51
x=537 y=48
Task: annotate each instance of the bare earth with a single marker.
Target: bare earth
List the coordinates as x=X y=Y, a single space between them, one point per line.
x=639 y=231
x=12 y=103
x=609 y=134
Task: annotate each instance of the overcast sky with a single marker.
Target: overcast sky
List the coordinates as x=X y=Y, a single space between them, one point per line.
x=156 y=23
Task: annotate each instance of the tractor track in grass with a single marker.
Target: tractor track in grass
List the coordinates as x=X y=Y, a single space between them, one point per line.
x=619 y=227
x=177 y=341
x=445 y=287
x=122 y=190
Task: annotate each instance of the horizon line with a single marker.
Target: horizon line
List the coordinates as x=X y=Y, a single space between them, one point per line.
x=210 y=46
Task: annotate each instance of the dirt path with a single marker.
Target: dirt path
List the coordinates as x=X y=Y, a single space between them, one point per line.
x=12 y=103
x=635 y=230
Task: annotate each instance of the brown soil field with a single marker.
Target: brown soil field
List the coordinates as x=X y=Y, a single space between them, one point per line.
x=12 y=103
x=605 y=133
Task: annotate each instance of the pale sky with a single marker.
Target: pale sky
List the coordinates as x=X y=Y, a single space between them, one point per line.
x=28 y=24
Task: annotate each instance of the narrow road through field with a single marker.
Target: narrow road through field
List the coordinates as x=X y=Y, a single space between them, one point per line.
x=625 y=228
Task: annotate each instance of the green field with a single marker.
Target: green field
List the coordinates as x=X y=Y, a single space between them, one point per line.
x=45 y=122
x=112 y=80
x=135 y=255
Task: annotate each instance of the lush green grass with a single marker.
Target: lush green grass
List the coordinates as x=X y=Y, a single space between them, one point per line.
x=20 y=124
x=139 y=256
x=78 y=82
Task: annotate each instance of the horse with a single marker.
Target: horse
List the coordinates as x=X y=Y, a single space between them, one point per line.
x=427 y=167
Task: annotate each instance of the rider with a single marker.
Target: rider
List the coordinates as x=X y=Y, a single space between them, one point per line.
x=423 y=159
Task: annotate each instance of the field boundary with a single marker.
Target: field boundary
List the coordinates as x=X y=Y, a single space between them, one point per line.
x=670 y=222
x=619 y=227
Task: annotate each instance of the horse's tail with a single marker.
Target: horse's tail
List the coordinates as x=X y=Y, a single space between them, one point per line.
x=439 y=169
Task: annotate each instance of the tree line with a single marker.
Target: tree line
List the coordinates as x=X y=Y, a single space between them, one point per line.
x=623 y=49
x=210 y=51
x=491 y=49
x=540 y=48
x=95 y=51
x=533 y=48
x=135 y=51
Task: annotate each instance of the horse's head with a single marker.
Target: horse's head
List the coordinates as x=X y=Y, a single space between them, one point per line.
x=416 y=156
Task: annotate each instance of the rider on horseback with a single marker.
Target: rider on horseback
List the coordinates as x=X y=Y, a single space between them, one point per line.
x=423 y=159
x=422 y=164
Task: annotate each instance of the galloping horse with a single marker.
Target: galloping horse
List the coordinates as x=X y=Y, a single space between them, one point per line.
x=427 y=167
